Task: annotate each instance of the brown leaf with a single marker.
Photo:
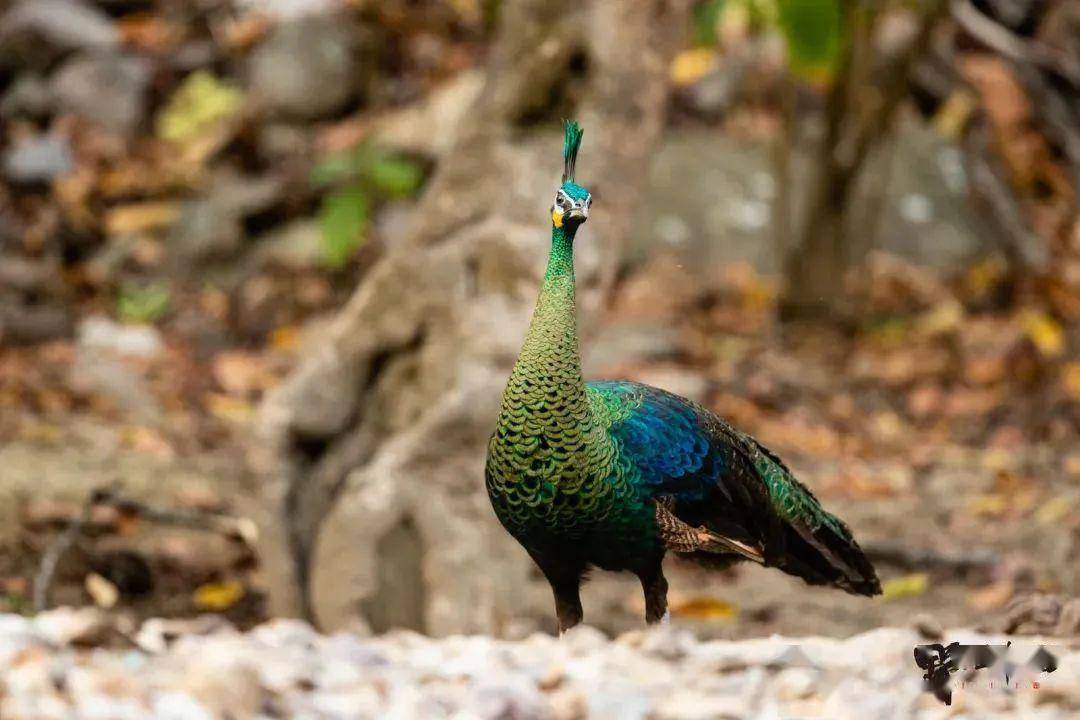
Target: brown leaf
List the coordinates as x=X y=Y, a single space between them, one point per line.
x=242 y=373
x=141 y=217
x=992 y=597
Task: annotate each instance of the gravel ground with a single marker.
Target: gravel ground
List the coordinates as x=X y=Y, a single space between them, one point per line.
x=76 y=664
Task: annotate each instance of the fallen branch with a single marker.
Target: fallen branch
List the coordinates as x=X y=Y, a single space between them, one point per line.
x=237 y=529
x=908 y=558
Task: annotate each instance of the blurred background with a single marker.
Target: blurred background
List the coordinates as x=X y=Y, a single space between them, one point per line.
x=264 y=268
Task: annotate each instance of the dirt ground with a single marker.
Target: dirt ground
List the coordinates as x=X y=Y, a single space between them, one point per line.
x=963 y=507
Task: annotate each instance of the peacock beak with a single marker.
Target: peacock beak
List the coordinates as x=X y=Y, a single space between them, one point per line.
x=580 y=214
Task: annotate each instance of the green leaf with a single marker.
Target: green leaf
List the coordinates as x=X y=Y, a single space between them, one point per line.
x=343 y=218
x=396 y=176
x=143 y=303
x=812 y=30
x=336 y=167
x=705 y=17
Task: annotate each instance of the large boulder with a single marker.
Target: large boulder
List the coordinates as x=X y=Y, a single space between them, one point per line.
x=307 y=69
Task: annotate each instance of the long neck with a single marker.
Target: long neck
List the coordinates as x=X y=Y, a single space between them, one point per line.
x=548 y=370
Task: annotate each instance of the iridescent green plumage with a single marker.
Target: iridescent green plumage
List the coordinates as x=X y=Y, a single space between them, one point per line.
x=615 y=474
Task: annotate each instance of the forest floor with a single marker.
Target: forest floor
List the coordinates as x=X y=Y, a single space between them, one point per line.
x=963 y=491
x=178 y=218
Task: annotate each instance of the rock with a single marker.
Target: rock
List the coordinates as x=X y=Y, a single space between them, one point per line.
x=296 y=245
x=103 y=375
x=211 y=227
x=1069 y=619
x=291 y=9
x=179 y=706
x=284 y=669
x=710 y=202
x=104 y=88
x=38 y=159
x=29 y=96
x=100 y=370
x=429 y=127
x=927 y=626
x=208 y=229
x=100 y=333
x=34 y=32
x=306 y=69
x=74 y=626
x=32 y=324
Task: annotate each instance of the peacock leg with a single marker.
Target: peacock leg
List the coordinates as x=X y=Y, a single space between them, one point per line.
x=655 y=586
x=567 y=607
x=565 y=581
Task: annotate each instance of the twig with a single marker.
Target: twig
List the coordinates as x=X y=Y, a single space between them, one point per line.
x=235 y=528
x=1003 y=41
x=1023 y=246
x=56 y=549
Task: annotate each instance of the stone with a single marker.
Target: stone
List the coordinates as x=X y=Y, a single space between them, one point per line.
x=38 y=159
x=179 y=706
x=285 y=669
x=208 y=229
x=927 y=626
x=105 y=88
x=1069 y=620
x=710 y=202
x=296 y=245
x=103 y=375
x=306 y=69
x=290 y=9
x=73 y=626
x=29 y=96
x=138 y=341
x=34 y=32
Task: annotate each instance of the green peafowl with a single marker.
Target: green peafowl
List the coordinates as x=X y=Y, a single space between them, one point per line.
x=614 y=474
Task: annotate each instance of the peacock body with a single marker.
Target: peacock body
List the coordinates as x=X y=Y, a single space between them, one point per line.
x=615 y=474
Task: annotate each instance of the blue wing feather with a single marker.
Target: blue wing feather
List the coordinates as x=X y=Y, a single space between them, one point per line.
x=729 y=482
x=669 y=440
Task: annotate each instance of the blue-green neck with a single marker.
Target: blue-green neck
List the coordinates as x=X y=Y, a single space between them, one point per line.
x=561 y=259
x=549 y=357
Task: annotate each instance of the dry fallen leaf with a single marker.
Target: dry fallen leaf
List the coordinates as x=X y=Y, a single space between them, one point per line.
x=1044 y=332
x=992 y=597
x=141 y=217
x=242 y=373
x=101 y=590
x=228 y=408
x=953 y=115
x=703 y=607
x=905 y=586
x=1054 y=510
x=218 y=596
x=691 y=65
x=1070 y=379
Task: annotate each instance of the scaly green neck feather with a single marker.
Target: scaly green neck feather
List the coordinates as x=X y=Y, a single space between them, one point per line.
x=550 y=461
x=550 y=355
x=546 y=416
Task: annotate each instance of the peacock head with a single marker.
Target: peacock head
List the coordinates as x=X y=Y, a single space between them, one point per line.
x=572 y=202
